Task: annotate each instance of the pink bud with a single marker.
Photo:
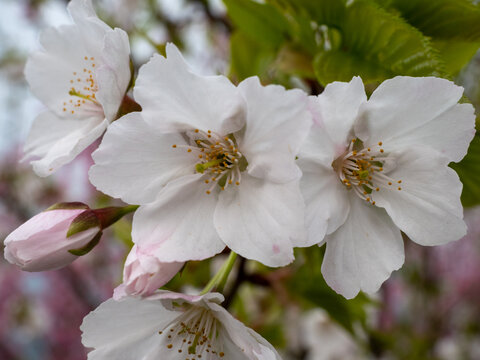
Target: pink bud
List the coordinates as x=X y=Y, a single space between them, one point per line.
x=144 y=273
x=53 y=238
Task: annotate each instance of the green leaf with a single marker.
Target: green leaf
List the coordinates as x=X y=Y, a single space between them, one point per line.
x=444 y=19
x=86 y=220
x=309 y=18
x=323 y=12
x=67 y=206
x=295 y=62
x=342 y=66
x=377 y=45
x=263 y=23
x=456 y=54
x=248 y=57
x=469 y=172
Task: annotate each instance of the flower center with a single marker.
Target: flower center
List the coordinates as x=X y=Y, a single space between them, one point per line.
x=195 y=333
x=362 y=169
x=83 y=88
x=218 y=158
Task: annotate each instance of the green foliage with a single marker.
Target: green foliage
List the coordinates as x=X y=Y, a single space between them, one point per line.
x=469 y=171
x=456 y=53
x=263 y=23
x=454 y=26
x=309 y=286
x=323 y=12
x=248 y=58
x=443 y=19
x=376 y=45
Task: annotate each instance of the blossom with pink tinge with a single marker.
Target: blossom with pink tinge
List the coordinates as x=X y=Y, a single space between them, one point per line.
x=374 y=167
x=210 y=164
x=171 y=326
x=143 y=273
x=81 y=75
x=48 y=241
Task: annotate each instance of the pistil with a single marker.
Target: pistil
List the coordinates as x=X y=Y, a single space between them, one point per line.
x=362 y=169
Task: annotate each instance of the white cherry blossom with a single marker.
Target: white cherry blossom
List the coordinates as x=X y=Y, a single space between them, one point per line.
x=81 y=75
x=211 y=165
x=171 y=326
x=373 y=168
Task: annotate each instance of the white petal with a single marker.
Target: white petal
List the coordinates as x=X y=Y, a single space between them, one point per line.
x=336 y=109
x=318 y=147
x=135 y=161
x=180 y=222
x=83 y=13
x=261 y=220
x=278 y=121
x=173 y=98
x=53 y=71
x=404 y=111
x=127 y=329
x=326 y=198
x=237 y=333
x=114 y=74
x=80 y=9
x=59 y=141
x=363 y=252
x=428 y=208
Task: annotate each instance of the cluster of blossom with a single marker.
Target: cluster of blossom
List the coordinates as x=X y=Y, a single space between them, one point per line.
x=207 y=165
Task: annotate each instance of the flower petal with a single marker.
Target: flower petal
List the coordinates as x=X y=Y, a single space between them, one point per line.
x=173 y=98
x=41 y=243
x=114 y=74
x=135 y=161
x=238 y=337
x=406 y=111
x=126 y=329
x=143 y=274
x=180 y=222
x=58 y=141
x=318 y=147
x=81 y=9
x=363 y=252
x=261 y=220
x=336 y=109
x=428 y=207
x=278 y=121
x=326 y=198
x=54 y=70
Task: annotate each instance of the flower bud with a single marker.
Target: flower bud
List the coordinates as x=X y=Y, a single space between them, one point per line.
x=144 y=273
x=53 y=238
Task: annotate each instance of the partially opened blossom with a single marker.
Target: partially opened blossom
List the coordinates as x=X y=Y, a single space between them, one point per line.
x=48 y=240
x=143 y=273
x=81 y=75
x=373 y=168
x=211 y=165
x=170 y=326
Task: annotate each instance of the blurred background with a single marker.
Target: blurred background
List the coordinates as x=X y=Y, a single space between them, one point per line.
x=430 y=309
